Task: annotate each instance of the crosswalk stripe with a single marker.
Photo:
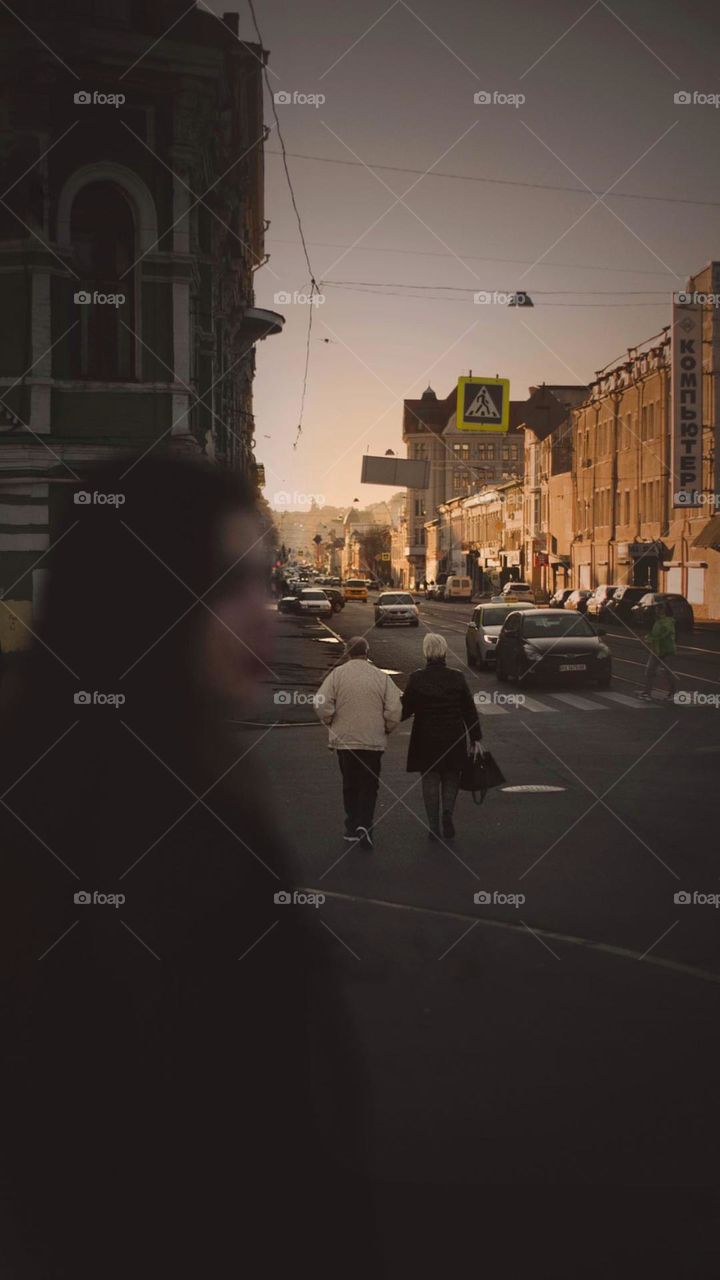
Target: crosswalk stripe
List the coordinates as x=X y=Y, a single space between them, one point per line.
x=490 y=709
x=584 y=704
x=532 y=704
x=625 y=700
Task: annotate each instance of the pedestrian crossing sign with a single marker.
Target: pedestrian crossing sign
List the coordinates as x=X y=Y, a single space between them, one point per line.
x=483 y=404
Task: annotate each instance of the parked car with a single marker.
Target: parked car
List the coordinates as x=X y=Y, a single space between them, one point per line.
x=336 y=598
x=458 y=588
x=484 y=628
x=643 y=613
x=288 y=604
x=557 y=601
x=396 y=607
x=432 y=589
x=355 y=589
x=554 y=644
x=518 y=591
x=598 y=601
x=621 y=605
x=314 y=601
x=577 y=600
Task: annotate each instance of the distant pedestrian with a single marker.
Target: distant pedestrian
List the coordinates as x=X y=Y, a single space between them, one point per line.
x=445 y=717
x=360 y=706
x=662 y=645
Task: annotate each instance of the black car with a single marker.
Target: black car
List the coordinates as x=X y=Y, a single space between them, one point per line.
x=577 y=600
x=557 y=601
x=621 y=605
x=554 y=644
x=643 y=613
x=335 y=597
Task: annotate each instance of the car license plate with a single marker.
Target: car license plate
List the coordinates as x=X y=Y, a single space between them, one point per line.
x=573 y=666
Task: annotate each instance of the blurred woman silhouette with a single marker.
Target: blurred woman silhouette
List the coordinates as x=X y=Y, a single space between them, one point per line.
x=180 y=1091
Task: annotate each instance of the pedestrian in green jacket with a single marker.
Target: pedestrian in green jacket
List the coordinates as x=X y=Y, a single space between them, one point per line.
x=661 y=643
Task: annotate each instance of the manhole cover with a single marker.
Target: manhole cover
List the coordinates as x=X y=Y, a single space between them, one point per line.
x=533 y=787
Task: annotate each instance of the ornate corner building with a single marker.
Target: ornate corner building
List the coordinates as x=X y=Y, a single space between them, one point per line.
x=131 y=225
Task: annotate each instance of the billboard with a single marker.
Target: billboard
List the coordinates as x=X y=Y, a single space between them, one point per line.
x=403 y=473
x=483 y=404
x=687 y=406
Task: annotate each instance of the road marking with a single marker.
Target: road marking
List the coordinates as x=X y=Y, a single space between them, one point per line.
x=589 y=944
x=687 y=675
x=637 y=704
x=583 y=704
x=489 y=708
x=682 y=648
x=533 y=786
x=532 y=704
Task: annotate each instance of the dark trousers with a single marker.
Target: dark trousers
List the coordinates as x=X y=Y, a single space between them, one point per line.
x=361 y=778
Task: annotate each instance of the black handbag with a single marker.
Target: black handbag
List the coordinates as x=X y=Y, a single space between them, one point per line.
x=479 y=774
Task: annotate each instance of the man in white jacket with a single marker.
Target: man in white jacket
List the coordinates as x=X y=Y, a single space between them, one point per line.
x=360 y=706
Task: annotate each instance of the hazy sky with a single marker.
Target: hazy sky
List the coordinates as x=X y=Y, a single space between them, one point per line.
x=599 y=83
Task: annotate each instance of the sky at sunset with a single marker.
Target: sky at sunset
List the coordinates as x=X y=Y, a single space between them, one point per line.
x=398 y=278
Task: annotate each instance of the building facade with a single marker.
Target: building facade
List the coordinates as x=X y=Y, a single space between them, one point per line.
x=130 y=229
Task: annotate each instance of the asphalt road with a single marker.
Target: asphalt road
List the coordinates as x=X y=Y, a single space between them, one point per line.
x=565 y=1039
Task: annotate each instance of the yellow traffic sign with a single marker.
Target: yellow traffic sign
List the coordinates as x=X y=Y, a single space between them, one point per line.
x=483 y=404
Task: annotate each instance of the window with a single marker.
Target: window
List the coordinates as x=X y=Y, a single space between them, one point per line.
x=626 y=506
x=419 y=507
x=420 y=449
x=514 y=452
x=102 y=230
x=491 y=453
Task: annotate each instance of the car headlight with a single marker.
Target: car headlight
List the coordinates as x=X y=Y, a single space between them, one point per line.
x=490 y=639
x=603 y=651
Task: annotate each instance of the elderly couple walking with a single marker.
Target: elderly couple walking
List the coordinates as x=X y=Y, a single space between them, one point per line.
x=361 y=706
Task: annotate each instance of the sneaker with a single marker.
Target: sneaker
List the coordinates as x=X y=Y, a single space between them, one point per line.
x=363 y=835
x=351 y=837
x=448 y=826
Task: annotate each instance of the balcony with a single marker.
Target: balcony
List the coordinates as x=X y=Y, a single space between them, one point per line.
x=415 y=549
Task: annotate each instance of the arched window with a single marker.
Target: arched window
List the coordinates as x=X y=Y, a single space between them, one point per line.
x=102 y=231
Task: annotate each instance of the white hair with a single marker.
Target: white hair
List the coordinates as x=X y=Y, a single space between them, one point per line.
x=434 y=646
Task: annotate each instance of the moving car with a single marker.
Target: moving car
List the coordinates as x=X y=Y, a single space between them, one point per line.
x=313 y=600
x=577 y=600
x=458 y=588
x=518 y=591
x=557 y=601
x=396 y=607
x=621 y=605
x=484 y=628
x=598 y=601
x=355 y=589
x=552 y=643
x=643 y=613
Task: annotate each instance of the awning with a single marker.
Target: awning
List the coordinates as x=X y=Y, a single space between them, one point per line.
x=710 y=535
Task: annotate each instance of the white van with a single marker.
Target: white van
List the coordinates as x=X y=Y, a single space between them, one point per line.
x=458 y=589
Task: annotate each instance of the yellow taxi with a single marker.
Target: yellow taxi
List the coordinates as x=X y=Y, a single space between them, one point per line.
x=355 y=589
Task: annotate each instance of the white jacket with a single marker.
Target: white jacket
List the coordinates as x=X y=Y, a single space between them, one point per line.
x=360 y=706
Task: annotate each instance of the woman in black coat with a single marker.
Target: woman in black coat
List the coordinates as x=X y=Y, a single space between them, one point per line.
x=445 y=715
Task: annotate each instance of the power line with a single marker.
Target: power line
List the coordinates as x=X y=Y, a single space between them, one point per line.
x=458 y=288
x=474 y=257
x=313 y=283
x=389 y=293
x=503 y=182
